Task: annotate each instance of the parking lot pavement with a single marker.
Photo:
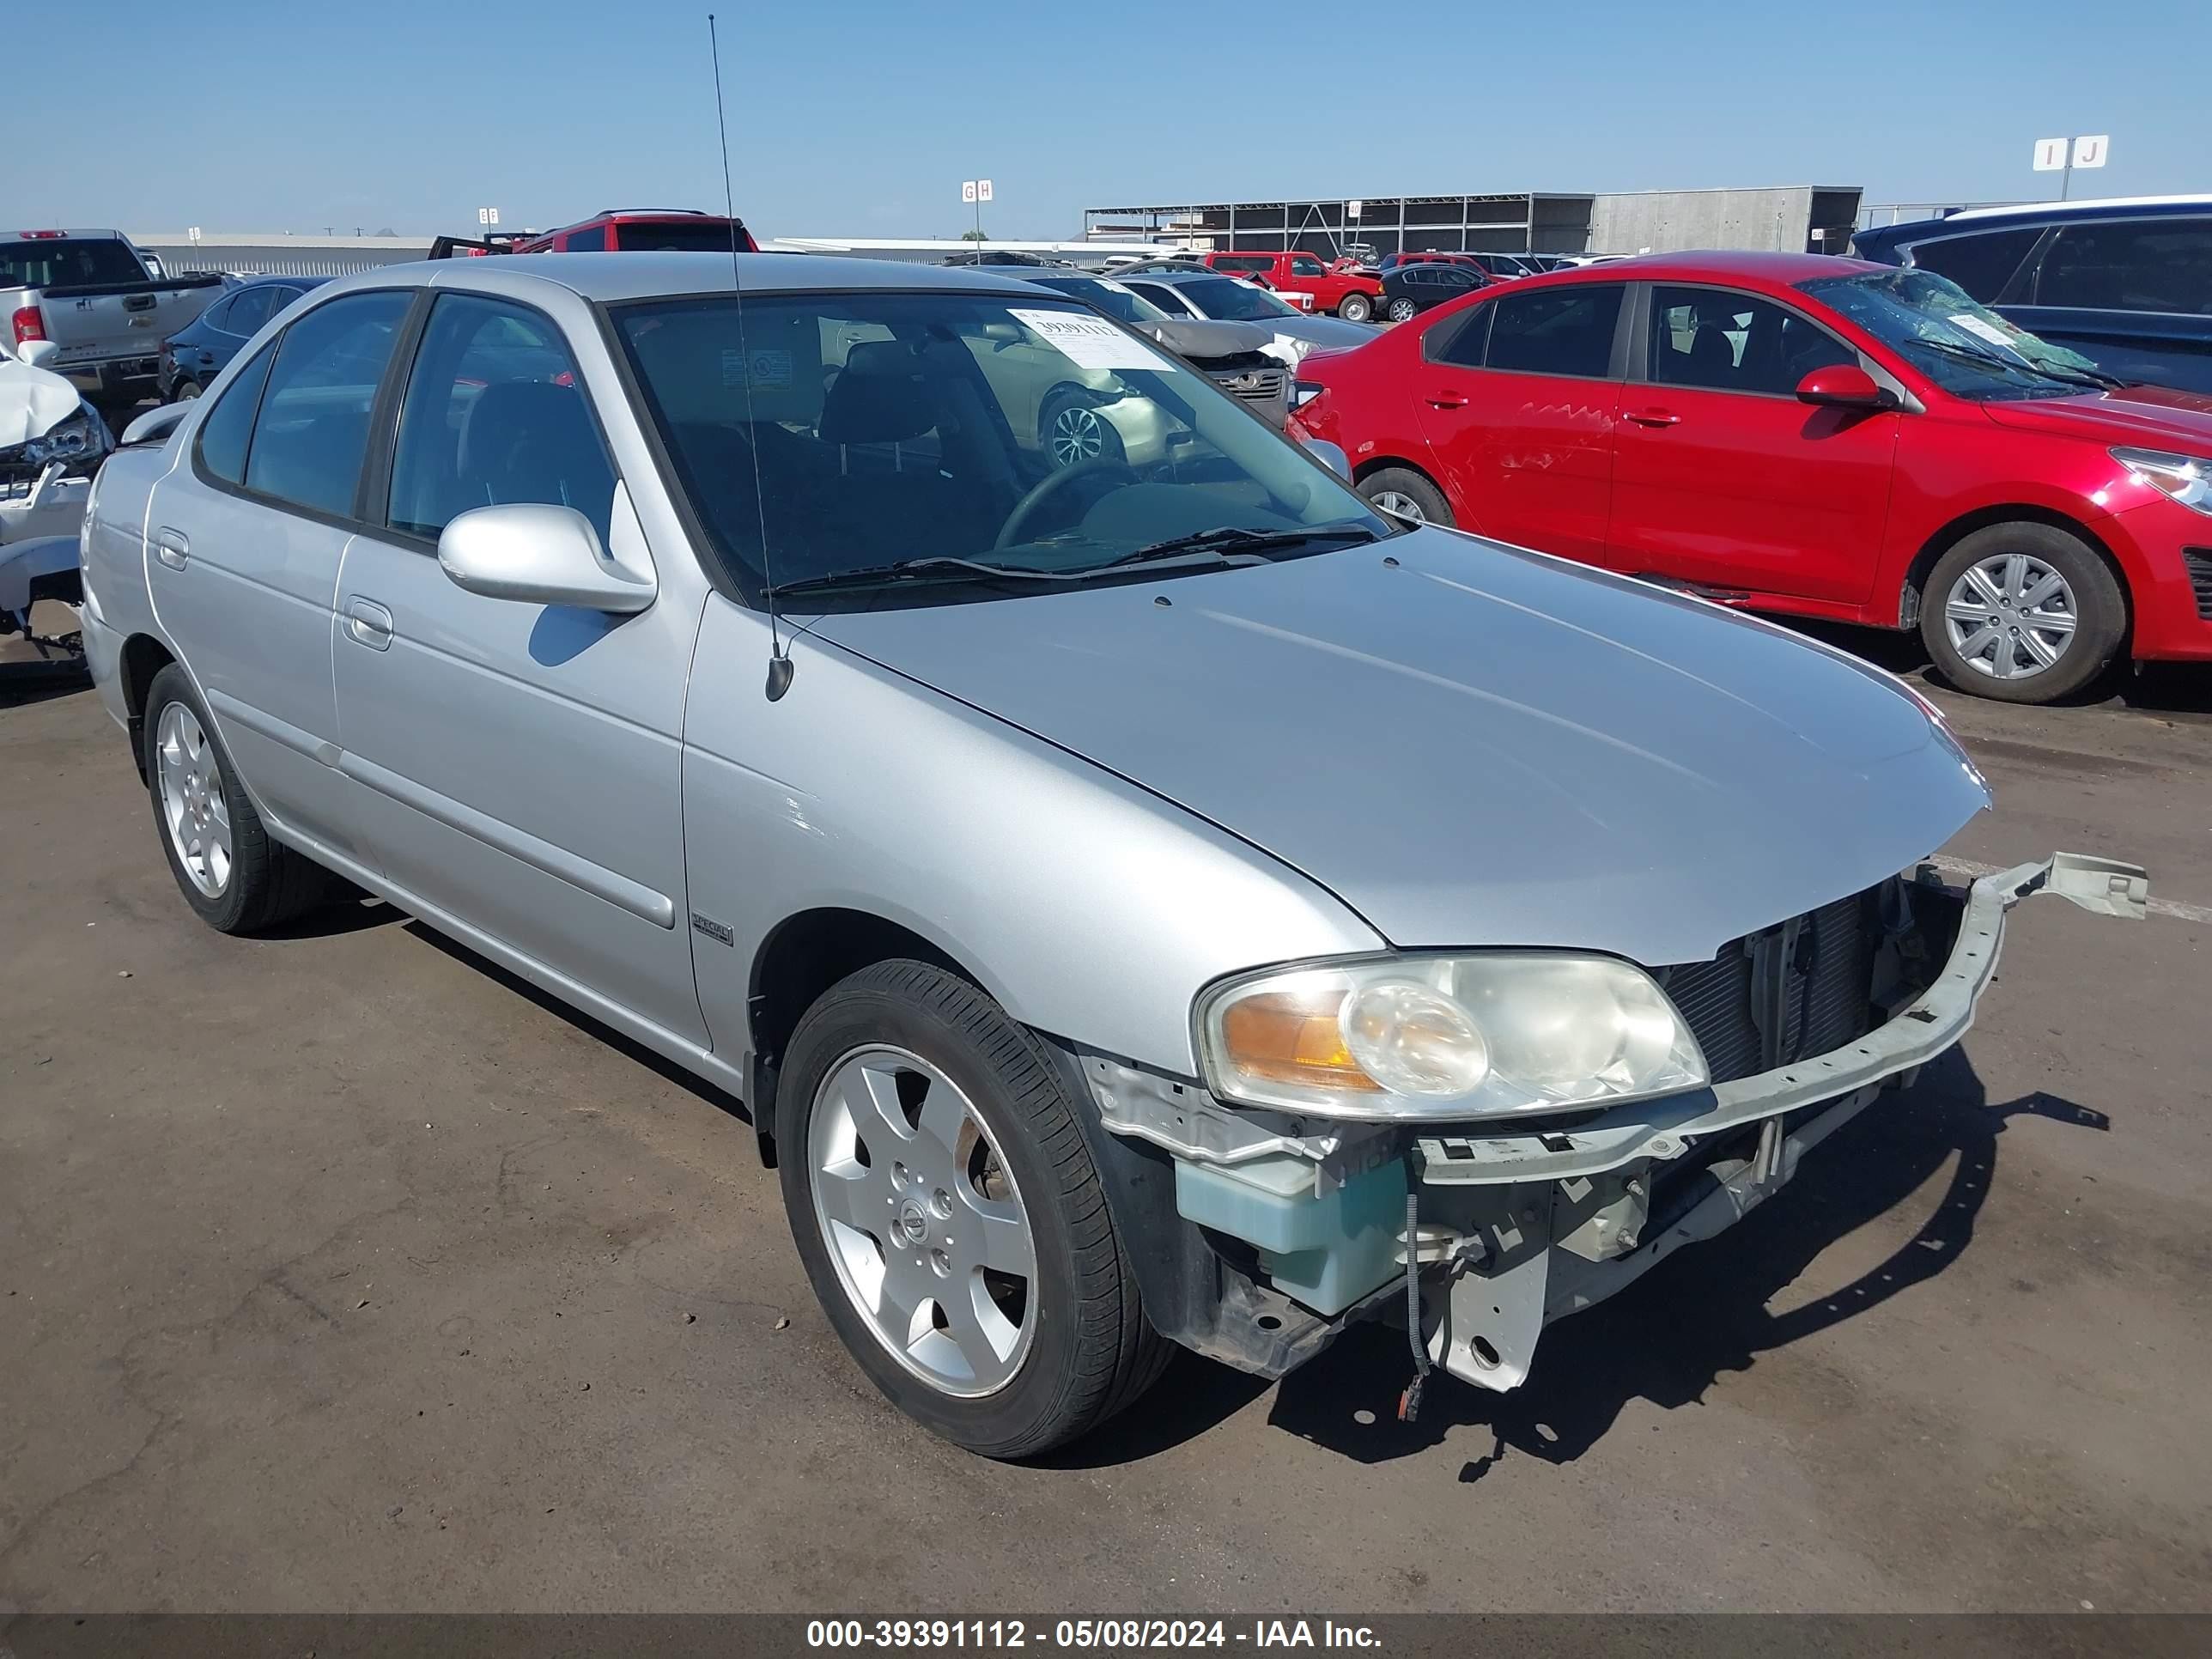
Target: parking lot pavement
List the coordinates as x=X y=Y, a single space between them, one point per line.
x=338 y=1271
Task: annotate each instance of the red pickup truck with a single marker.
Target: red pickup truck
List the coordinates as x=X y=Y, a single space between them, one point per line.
x=1351 y=296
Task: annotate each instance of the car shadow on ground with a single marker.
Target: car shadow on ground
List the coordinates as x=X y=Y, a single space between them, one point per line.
x=2151 y=688
x=24 y=683
x=1706 y=1312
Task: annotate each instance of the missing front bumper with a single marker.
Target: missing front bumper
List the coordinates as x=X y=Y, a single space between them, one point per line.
x=1520 y=1230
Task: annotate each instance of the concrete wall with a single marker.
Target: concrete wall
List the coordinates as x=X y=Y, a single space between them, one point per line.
x=1667 y=220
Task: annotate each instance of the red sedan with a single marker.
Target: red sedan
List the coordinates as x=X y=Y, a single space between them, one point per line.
x=1802 y=434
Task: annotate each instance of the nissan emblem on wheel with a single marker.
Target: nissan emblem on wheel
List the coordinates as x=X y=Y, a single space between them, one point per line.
x=1146 y=890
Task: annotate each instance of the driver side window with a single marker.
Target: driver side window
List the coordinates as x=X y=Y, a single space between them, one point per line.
x=1720 y=340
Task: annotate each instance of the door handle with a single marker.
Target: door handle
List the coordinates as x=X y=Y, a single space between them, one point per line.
x=1653 y=417
x=1446 y=400
x=173 y=547
x=368 y=624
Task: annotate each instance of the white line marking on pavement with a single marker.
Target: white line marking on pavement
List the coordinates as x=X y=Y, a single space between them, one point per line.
x=1967 y=870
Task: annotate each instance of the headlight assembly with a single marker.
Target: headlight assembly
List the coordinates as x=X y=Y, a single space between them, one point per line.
x=1445 y=1037
x=2184 y=477
x=68 y=440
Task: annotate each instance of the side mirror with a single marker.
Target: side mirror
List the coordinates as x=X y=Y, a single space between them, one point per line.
x=538 y=556
x=37 y=353
x=1330 y=455
x=1845 y=385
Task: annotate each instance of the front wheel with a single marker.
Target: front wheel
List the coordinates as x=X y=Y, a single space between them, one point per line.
x=2022 y=612
x=950 y=1218
x=1400 y=310
x=1355 y=307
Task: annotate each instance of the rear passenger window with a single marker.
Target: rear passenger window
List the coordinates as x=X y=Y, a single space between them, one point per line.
x=228 y=427
x=593 y=240
x=495 y=416
x=248 y=311
x=2133 y=265
x=1984 y=265
x=1463 y=339
x=313 y=426
x=1559 y=331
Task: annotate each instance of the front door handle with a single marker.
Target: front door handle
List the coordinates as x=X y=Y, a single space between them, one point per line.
x=1446 y=399
x=173 y=547
x=1653 y=417
x=368 y=624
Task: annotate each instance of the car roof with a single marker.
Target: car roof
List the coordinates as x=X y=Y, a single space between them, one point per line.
x=1181 y=274
x=1723 y=264
x=617 y=276
x=2024 y=215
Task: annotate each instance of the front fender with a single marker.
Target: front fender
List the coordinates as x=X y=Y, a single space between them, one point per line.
x=1088 y=906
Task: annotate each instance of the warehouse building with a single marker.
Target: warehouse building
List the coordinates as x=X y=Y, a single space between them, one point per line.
x=1798 y=217
x=273 y=254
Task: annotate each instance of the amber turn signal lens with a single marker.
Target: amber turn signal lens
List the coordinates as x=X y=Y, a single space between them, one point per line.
x=1283 y=1037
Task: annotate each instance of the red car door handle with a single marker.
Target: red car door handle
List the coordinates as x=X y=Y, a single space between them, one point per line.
x=1653 y=417
x=1446 y=400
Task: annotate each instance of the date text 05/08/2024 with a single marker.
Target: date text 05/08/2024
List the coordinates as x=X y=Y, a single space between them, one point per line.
x=1086 y=1634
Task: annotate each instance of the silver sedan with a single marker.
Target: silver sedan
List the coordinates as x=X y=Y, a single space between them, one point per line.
x=1149 y=901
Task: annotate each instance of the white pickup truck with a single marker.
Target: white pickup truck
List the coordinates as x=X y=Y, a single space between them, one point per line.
x=93 y=294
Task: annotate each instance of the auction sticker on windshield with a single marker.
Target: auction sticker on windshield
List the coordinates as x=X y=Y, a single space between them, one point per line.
x=1090 y=341
x=1981 y=328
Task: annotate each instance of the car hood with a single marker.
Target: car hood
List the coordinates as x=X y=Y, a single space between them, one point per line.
x=1476 y=745
x=2152 y=416
x=33 y=403
x=1199 y=341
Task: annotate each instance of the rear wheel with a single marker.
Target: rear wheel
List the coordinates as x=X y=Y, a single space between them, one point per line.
x=227 y=868
x=1355 y=307
x=2022 y=612
x=945 y=1206
x=1404 y=493
x=185 y=391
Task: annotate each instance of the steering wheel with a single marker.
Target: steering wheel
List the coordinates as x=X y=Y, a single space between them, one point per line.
x=1048 y=486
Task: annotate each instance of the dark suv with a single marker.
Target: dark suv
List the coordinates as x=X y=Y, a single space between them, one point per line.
x=2126 y=284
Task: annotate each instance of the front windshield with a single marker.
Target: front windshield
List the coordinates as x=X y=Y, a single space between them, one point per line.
x=893 y=433
x=1228 y=300
x=1956 y=342
x=1109 y=296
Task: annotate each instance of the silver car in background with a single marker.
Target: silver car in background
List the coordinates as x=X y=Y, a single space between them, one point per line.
x=1140 y=901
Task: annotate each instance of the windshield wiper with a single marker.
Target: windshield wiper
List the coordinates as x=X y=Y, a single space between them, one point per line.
x=1976 y=355
x=1236 y=538
x=908 y=570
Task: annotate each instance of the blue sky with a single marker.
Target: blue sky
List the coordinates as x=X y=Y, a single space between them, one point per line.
x=862 y=117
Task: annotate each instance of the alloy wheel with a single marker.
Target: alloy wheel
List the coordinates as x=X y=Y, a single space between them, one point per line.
x=2010 y=617
x=1397 y=504
x=1077 y=435
x=923 y=1223
x=193 y=809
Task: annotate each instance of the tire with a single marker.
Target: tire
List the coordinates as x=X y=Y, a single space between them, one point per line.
x=1405 y=493
x=186 y=390
x=1400 y=310
x=1073 y=431
x=234 y=876
x=2013 y=652
x=1355 y=307
x=1067 y=1351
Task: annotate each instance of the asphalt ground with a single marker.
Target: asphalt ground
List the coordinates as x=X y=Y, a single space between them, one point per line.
x=339 y=1271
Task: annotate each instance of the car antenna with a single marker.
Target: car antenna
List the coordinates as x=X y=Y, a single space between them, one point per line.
x=779 y=660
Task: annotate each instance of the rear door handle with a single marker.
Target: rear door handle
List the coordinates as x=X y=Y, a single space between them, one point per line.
x=1446 y=400
x=368 y=624
x=173 y=547
x=1653 y=417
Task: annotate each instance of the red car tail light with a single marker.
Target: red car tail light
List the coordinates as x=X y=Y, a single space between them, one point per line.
x=28 y=325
